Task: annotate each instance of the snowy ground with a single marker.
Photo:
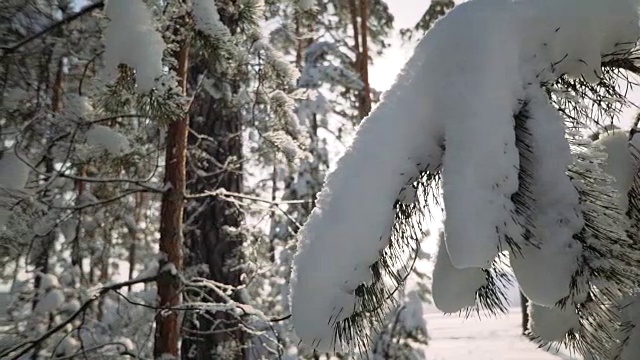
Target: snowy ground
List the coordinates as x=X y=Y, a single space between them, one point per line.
x=454 y=338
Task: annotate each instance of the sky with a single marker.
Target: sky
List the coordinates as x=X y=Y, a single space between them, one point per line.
x=385 y=68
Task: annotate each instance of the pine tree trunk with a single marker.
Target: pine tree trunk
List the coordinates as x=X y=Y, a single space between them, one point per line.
x=524 y=304
x=47 y=241
x=208 y=238
x=364 y=60
x=76 y=252
x=214 y=246
x=167 y=336
x=355 y=27
x=133 y=232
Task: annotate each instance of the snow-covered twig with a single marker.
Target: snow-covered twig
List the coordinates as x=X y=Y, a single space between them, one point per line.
x=19 y=350
x=84 y=11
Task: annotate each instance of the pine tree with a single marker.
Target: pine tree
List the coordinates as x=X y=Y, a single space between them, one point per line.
x=250 y=100
x=334 y=96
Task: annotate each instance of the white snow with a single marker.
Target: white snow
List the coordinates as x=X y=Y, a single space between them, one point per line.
x=68 y=228
x=50 y=302
x=334 y=254
x=130 y=38
x=78 y=106
x=207 y=19
x=455 y=338
x=306 y=4
x=476 y=41
x=151 y=270
x=552 y=323
x=460 y=90
x=48 y=281
x=14 y=173
x=68 y=346
x=454 y=289
x=108 y=139
x=620 y=164
x=544 y=273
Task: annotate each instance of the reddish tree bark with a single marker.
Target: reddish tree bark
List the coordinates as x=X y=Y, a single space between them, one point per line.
x=167 y=336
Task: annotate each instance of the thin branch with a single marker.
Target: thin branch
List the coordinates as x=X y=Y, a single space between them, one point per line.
x=223 y=193
x=103 y=291
x=84 y=11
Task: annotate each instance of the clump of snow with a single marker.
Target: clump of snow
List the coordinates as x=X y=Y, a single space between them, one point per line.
x=459 y=92
x=48 y=281
x=44 y=225
x=482 y=41
x=14 y=172
x=50 y=301
x=108 y=139
x=71 y=306
x=306 y=4
x=620 y=164
x=78 y=106
x=207 y=19
x=68 y=228
x=544 y=269
x=150 y=271
x=454 y=289
x=130 y=38
x=67 y=347
x=552 y=323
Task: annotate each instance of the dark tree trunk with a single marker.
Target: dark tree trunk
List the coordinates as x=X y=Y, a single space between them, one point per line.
x=364 y=59
x=524 y=304
x=208 y=237
x=214 y=246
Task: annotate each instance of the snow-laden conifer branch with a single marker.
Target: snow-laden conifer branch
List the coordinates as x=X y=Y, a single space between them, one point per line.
x=476 y=290
x=607 y=273
x=510 y=178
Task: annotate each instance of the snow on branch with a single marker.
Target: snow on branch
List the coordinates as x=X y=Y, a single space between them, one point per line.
x=131 y=38
x=484 y=108
x=23 y=348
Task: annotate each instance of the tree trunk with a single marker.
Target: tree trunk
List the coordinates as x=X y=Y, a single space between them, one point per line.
x=353 y=9
x=524 y=302
x=167 y=336
x=211 y=237
x=212 y=232
x=46 y=241
x=364 y=60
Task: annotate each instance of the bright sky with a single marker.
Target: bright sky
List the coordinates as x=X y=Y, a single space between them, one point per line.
x=384 y=70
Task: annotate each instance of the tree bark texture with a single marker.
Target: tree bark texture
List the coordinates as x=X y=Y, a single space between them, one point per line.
x=167 y=335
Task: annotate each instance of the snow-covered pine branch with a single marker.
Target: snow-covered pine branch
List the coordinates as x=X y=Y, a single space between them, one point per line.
x=480 y=108
x=616 y=150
